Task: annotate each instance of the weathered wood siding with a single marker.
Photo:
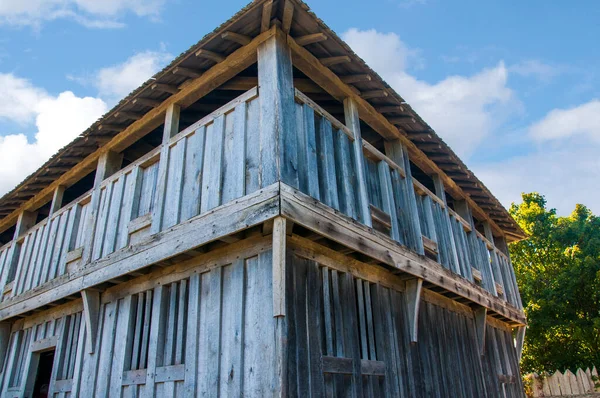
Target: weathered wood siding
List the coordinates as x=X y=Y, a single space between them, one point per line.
x=211 y=333
x=349 y=337
x=214 y=161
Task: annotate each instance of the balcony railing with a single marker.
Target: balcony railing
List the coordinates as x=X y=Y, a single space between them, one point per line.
x=217 y=160
x=419 y=219
x=212 y=162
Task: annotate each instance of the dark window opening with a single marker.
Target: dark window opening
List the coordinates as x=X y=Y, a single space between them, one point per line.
x=422 y=177
x=43 y=212
x=321 y=97
x=79 y=188
x=7 y=235
x=43 y=374
x=143 y=146
x=228 y=91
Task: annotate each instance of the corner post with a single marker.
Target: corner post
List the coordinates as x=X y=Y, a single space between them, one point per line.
x=353 y=123
x=278 y=143
x=170 y=130
x=279 y=276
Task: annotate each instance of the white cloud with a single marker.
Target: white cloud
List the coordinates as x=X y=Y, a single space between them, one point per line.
x=564 y=123
x=565 y=174
x=462 y=109
x=536 y=68
x=119 y=80
x=91 y=13
x=58 y=121
x=18 y=98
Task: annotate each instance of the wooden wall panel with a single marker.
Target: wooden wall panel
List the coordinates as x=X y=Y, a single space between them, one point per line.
x=349 y=336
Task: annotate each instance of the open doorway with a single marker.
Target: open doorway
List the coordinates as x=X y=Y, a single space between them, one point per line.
x=43 y=374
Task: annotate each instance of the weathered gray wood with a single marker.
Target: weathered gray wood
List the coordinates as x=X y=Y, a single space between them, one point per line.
x=234 y=178
x=57 y=199
x=413 y=302
x=278 y=146
x=171 y=128
x=346 y=178
x=213 y=165
x=279 y=266
x=353 y=123
x=123 y=326
x=327 y=170
x=193 y=327
x=307 y=146
x=156 y=337
x=91 y=309
x=520 y=340
x=480 y=315
x=387 y=196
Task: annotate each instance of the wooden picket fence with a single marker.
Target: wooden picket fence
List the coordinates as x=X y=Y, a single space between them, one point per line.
x=564 y=384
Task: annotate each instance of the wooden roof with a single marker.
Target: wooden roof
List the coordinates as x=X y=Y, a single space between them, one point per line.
x=422 y=138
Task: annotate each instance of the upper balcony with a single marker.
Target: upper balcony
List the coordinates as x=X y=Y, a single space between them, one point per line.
x=259 y=155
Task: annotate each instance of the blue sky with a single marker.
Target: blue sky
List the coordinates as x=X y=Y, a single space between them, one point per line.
x=512 y=86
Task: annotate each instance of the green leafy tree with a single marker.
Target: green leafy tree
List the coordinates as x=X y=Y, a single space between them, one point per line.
x=558 y=272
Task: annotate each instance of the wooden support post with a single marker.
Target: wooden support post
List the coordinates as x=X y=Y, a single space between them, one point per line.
x=91 y=312
x=288 y=16
x=353 y=123
x=396 y=151
x=26 y=220
x=520 y=341
x=439 y=187
x=480 y=315
x=278 y=146
x=413 y=301
x=279 y=244
x=57 y=199
x=171 y=128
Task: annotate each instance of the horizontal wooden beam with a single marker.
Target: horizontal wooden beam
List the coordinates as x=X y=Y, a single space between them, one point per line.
x=187 y=72
x=147 y=102
x=329 y=61
x=351 y=79
x=213 y=56
x=310 y=39
x=167 y=88
x=374 y=94
x=236 y=37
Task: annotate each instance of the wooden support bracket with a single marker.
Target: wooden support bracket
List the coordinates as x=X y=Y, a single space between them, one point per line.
x=520 y=341
x=279 y=242
x=91 y=311
x=480 y=315
x=413 y=301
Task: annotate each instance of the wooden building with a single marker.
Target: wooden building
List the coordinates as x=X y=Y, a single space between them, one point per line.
x=264 y=217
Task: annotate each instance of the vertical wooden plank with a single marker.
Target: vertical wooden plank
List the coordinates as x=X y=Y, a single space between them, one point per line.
x=105 y=353
x=113 y=217
x=170 y=329
x=213 y=165
x=259 y=328
x=353 y=123
x=175 y=169
x=346 y=179
x=79 y=359
x=314 y=322
x=171 y=128
x=480 y=315
x=156 y=339
x=210 y=332
x=193 y=327
x=232 y=334
x=309 y=151
x=123 y=329
x=136 y=340
x=147 y=324
x=253 y=146
x=131 y=198
x=279 y=266
x=192 y=179
x=398 y=153
x=108 y=164
x=60 y=245
x=180 y=342
x=387 y=196
x=351 y=331
x=520 y=340
x=234 y=179
x=279 y=153
x=327 y=170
